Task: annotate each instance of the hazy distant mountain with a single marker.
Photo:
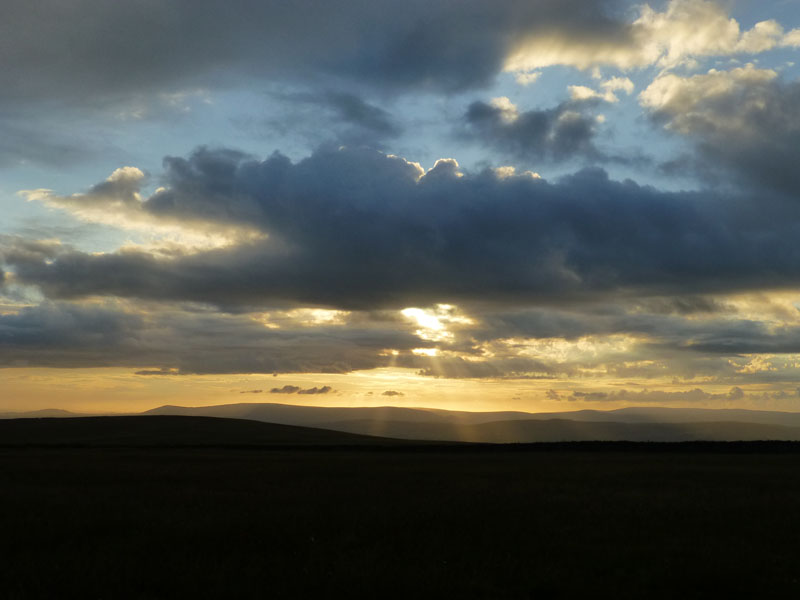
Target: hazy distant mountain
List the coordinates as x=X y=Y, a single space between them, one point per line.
x=168 y=431
x=316 y=415
x=634 y=424
x=39 y=414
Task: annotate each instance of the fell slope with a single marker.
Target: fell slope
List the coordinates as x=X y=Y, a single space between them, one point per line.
x=168 y=431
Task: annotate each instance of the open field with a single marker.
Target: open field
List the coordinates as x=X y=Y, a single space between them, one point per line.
x=519 y=522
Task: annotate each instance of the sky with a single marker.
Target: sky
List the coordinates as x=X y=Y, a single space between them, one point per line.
x=536 y=205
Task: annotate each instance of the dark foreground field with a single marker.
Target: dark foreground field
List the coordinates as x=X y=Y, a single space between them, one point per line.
x=403 y=522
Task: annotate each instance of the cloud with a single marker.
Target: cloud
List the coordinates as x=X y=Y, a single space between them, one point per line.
x=743 y=121
x=325 y=389
x=172 y=340
x=693 y=396
x=143 y=60
x=118 y=202
x=287 y=389
x=27 y=139
x=615 y=341
x=321 y=116
x=354 y=110
x=685 y=31
x=293 y=389
x=392 y=393
x=428 y=44
x=562 y=132
x=352 y=228
x=582 y=93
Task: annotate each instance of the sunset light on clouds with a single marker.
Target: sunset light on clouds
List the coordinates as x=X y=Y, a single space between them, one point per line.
x=538 y=205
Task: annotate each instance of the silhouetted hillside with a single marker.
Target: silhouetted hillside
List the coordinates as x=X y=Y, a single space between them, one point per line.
x=168 y=431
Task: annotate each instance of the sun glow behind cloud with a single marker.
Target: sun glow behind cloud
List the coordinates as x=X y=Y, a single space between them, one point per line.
x=615 y=225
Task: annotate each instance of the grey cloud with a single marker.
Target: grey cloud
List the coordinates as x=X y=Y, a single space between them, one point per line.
x=392 y=393
x=455 y=367
x=24 y=138
x=159 y=372
x=359 y=229
x=565 y=131
x=251 y=392
x=325 y=389
x=673 y=343
x=293 y=389
x=354 y=110
x=589 y=396
x=93 y=61
x=657 y=397
x=747 y=131
x=171 y=341
x=322 y=116
x=287 y=389
x=119 y=48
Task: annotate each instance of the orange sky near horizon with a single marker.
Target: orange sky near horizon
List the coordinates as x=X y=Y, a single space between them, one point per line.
x=118 y=390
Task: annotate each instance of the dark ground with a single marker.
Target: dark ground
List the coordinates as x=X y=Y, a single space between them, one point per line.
x=564 y=521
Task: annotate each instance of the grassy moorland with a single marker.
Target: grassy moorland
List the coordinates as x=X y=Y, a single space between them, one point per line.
x=399 y=521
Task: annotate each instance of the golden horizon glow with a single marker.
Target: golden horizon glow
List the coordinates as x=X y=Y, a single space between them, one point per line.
x=117 y=390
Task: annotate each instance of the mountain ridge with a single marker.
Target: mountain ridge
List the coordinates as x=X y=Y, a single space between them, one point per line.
x=430 y=424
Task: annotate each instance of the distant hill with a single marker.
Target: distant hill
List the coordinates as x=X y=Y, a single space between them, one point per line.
x=634 y=424
x=629 y=424
x=38 y=414
x=314 y=415
x=168 y=431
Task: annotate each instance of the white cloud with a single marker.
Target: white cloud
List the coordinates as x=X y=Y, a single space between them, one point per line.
x=684 y=31
x=687 y=100
x=508 y=110
x=117 y=202
x=527 y=78
x=792 y=39
x=581 y=92
x=618 y=83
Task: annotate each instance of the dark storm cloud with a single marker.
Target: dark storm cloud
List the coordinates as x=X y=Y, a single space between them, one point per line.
x=360 y=229
x=562 y=132
x=93 y=50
